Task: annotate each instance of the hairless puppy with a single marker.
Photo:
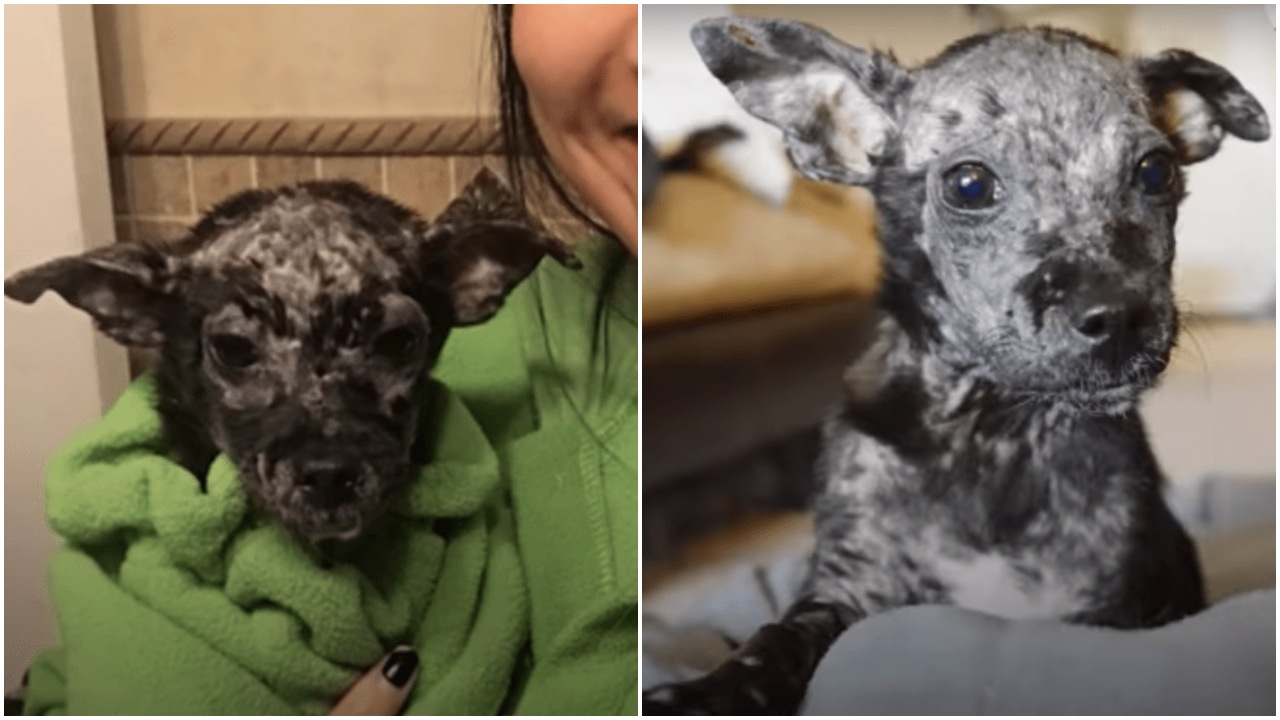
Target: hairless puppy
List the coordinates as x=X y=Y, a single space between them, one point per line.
x=988 y=452
x=297 y=328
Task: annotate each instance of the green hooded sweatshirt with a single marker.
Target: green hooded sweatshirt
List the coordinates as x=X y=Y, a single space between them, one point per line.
x=510 y=564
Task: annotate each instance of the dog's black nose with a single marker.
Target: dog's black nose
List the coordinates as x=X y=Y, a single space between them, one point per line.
x=1117 y=324
x=1102 y=320
x=1109 y=317
x=328 y=486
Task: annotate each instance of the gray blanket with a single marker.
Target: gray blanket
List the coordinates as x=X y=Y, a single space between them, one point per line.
x=944 y=660
x=934 y=660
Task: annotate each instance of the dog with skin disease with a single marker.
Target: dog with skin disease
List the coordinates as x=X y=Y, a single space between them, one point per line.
x=296 y=329
x=989 y=453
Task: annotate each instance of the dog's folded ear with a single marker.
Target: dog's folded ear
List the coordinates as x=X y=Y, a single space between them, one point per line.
x=831 y=101
x=124 y=289
x=1196 y=102
x=482 y=246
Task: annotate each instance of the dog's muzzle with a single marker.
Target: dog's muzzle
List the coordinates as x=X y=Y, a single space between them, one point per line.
x=1117 y=324
x=323 y=496
x=1099 y=316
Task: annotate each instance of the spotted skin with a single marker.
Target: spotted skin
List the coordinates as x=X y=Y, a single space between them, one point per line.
x=297 y=328
x=988 y=452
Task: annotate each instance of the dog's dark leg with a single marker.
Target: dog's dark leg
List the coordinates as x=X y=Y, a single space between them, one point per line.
x=851 y=576
x=769 y=674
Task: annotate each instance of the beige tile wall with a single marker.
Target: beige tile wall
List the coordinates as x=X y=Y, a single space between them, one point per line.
x=357 y=60
x=156 y=197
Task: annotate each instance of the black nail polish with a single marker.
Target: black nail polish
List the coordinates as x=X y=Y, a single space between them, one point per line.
x=400 y=666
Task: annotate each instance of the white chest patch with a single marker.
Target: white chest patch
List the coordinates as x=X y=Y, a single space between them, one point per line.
x=990 y=584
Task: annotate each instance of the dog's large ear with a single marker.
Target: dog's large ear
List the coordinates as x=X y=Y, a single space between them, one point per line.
x=482 y=246
x=124 y=288
x=831 y=101
x=1197 y=102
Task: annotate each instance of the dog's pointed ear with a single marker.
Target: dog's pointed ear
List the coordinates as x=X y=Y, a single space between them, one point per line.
x=831 y=101
x=1196 y=102
x=482 y=246
x=125 y=289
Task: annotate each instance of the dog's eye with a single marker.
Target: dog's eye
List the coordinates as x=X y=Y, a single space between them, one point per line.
x=1155 y=174
x=969 y=186
x=233 y=351
x=398 y=345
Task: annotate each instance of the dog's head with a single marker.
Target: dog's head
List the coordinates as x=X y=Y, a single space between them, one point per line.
x=297 y=327
x=1027 y=184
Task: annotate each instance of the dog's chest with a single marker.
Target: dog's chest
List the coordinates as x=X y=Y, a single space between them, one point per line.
x=1015 y=586
x=1059 y=563
x=1042 y=539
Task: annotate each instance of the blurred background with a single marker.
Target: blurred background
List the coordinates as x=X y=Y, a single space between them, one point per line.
x=758 y=285
x=125 y=123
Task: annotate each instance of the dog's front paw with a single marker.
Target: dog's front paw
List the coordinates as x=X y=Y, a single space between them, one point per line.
x=724 y=692
x=687 y=698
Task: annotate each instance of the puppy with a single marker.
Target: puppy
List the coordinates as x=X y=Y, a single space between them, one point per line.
x=296 y=329
x=989 y=453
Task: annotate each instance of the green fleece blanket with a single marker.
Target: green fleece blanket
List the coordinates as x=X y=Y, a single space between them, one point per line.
x=174 y=600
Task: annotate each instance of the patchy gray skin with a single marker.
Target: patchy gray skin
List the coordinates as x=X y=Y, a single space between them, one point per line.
x=1064 y=150
x=297 y=329
x=989 y=453
x=302 y=253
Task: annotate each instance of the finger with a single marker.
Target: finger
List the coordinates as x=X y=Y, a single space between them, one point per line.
x=384 y=688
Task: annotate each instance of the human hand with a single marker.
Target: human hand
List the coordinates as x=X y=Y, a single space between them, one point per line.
x=383 y=689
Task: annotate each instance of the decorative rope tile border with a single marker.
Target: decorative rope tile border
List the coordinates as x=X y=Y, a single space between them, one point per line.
x=282 y=136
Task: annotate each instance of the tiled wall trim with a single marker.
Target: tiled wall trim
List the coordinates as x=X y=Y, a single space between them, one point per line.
x=166 y=173
x=156 y=197
x=284 y=136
